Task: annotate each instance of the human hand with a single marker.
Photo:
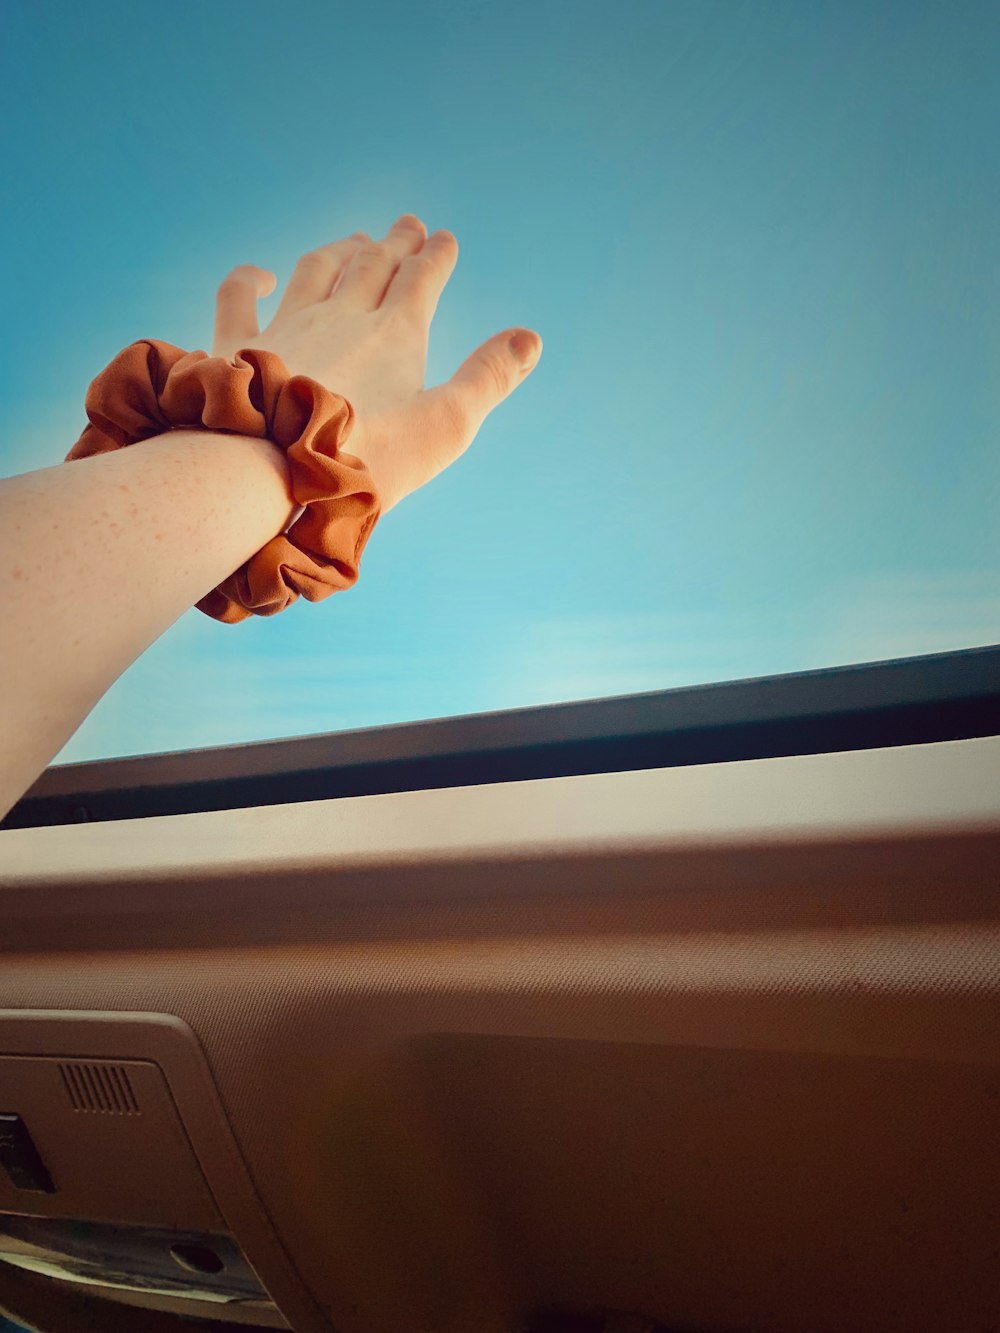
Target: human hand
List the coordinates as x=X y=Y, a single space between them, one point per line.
x=356 y=316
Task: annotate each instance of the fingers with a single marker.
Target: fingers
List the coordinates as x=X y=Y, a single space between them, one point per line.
x=236 y=304
x=318 y=271
x=422 y=277
x=373 y=264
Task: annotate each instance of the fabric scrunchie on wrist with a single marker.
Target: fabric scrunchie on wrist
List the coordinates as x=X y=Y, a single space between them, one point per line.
x=152 y=386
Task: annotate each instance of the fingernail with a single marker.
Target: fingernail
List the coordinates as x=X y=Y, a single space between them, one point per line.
x=526 y=348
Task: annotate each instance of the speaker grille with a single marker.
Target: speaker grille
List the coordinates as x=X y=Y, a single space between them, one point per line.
x=99 y=1088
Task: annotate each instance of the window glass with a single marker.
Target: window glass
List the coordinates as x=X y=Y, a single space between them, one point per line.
x=759 y=242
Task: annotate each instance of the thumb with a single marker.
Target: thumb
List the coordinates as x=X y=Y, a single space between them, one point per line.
x=493 y=371
x=446 y=419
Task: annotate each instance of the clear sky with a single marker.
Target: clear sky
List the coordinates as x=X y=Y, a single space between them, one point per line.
x=759 y=241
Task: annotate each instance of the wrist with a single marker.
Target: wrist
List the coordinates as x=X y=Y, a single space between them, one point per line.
x=251 y=470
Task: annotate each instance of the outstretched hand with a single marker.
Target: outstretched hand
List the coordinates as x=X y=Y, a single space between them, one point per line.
x=356 y=316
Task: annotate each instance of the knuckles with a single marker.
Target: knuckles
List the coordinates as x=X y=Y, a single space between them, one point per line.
x=499 y=372
x=421 y=263
x=371 y=252
x=314 y=261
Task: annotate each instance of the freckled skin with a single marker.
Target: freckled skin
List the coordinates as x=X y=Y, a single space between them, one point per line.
x=118 y=590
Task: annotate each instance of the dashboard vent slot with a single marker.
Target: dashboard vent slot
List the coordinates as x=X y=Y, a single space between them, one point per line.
x=104 y=1089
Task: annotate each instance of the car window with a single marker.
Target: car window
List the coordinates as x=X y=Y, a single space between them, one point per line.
x=758 y=241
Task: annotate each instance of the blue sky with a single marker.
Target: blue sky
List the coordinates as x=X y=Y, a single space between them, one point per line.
x=759 y=241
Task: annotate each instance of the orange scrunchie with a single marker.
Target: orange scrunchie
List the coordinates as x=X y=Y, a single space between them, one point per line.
x=153 y=386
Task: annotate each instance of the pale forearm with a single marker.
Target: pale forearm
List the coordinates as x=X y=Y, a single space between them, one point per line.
x=100 y=555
